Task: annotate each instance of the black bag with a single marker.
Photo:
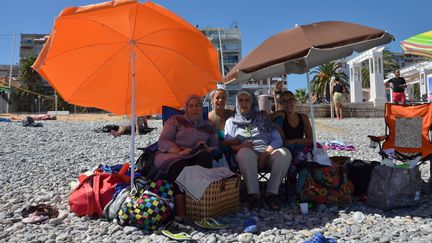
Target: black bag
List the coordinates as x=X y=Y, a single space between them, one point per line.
x=110 y=127
x=359 y=173
x=145 y=163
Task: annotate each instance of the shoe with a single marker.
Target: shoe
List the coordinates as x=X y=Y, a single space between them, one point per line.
x=272 y=201
x=210 y=223
x=253 y=202
x=319 y=238
x=177 y=236
x=35 y=218
x=176 y=227
x=249 y=226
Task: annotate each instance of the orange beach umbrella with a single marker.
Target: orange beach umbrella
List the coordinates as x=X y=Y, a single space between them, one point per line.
x=93 y=52
x=127 y=57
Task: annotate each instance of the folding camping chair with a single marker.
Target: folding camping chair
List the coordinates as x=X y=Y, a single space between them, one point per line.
x=408 y=132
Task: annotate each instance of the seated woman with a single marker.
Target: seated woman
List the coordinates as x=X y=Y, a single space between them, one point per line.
x=140 y=126
x=295 y=127
x=181 y=134
x=260 y=148
x=218 y=116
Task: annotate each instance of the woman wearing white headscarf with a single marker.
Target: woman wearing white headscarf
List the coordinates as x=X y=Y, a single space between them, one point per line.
x=261 y=147
x=180 y=135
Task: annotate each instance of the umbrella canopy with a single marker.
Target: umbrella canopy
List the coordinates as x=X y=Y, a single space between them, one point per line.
x=93 y=50
x=128 y=58
x=303 y=47
x=420 y=44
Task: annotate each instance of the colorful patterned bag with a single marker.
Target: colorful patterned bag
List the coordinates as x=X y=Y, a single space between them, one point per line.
x=148 y=205
x=324 y=185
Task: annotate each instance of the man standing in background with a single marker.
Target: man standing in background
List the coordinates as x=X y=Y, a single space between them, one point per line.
x=399 y=85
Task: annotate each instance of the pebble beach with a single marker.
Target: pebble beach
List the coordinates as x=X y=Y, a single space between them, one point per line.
x=37 y=165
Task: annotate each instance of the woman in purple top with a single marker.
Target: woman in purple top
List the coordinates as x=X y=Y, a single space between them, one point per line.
x=180 y=137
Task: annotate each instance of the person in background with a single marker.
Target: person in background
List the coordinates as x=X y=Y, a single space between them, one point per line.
x=140 y=125
x=338 y=97
x=429 y=98
x=260 y=148
x=277 y=91
x=180 y=136
x=399 y=85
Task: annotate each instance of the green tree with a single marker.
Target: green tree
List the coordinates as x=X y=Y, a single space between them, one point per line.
x=320 y=84
x=389 y=64
x=30 y=82
x=301 y=95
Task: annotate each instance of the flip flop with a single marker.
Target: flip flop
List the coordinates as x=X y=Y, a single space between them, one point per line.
x=179 y=236
x=210 y=223
x=250 y=226
x=319 y=238
x=34 y=218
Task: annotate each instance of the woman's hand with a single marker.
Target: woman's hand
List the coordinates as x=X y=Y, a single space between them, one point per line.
x=185 y=151
x=245 y=144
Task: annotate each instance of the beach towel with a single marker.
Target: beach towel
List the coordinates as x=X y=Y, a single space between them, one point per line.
x=195 y=179
x=338 y=145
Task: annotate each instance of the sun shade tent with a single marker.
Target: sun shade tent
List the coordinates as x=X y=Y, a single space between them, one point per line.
x=299 y=49
x=128 y=58
x=420 y=44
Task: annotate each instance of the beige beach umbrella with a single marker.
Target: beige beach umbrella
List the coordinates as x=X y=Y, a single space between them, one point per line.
x=299 y=49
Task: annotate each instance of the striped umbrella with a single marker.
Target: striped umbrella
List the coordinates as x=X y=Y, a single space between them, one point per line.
x=419 y=44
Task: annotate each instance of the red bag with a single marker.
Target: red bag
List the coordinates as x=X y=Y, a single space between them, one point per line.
x=93 y=194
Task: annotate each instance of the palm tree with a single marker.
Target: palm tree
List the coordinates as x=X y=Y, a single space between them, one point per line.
x=30 y=81
x=320 y=84
x=301 y=95
x=389 y=64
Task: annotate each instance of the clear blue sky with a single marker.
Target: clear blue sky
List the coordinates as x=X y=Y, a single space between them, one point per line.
x=256 y=19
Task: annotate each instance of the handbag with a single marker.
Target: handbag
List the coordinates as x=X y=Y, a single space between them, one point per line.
x=391 y=187
x=93 y=194
x=148 y=205
x=324 y=185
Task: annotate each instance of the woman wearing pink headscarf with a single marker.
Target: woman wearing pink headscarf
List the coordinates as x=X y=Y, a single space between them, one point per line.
x=180 y=135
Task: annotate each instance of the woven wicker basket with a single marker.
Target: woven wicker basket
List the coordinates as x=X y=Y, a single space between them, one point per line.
x=220 y=198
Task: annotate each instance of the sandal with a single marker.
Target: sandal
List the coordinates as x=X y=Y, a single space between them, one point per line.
x=34 y=218
x=210 y=223
x=319 y=238
x=177 y=236
x=40 y=209
x=272 y=202
x=253 y=202
x=250 y=226
x=175 y=227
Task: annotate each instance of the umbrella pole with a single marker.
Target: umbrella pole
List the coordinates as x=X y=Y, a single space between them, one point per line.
x=132 y=147
x=311 y=113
